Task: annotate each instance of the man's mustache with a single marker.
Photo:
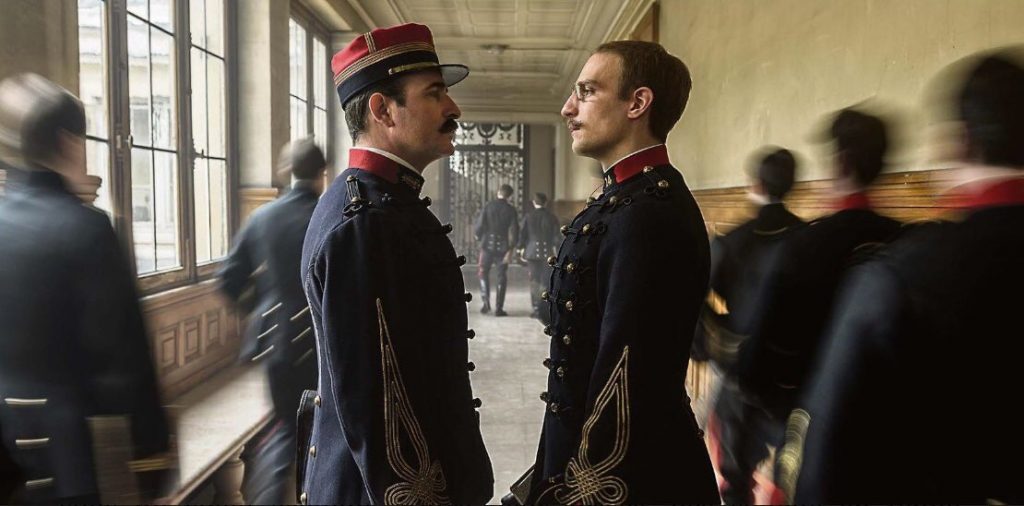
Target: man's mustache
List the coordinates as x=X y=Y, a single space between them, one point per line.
x=449 y=126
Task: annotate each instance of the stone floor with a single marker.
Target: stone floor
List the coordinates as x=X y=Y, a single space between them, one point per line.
x=509 y=378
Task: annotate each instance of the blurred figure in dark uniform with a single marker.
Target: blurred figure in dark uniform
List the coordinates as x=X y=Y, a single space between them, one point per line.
x=738 y=260
x=538 y=238
x=497 y=231
x=11 y=479
x=624 y=295
x=910 y=402
x=266 y=260
x=73 y=346
x=795 y=299
x=394 y=420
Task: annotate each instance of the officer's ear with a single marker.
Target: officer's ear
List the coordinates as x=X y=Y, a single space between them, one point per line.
x=379 y=110
x=640 y=102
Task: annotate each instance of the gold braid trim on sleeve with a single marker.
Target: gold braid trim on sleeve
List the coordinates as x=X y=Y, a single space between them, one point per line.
x=424 y=481
x=792 y=455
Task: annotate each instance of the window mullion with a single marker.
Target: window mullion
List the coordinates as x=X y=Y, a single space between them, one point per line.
x=120 y=140
x=186 y=156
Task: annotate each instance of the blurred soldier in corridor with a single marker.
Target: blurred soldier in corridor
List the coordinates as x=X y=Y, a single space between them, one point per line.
x=911 y=400
x=265 y=262
x=738 y=259
x=497 y=231
x=538 y=238
x=72 y=341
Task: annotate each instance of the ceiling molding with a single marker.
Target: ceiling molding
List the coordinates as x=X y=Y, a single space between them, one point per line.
x=327 y=14
x=630 y=15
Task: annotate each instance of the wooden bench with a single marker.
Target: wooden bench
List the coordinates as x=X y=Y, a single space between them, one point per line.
x=212 y=424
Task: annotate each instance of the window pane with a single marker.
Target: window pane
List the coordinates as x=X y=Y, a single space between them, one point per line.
x=201 y=192
x=218 y=209
x=142 y=210
x=319 y=73
x=197 y=21
x=320 y=128
x=199 y=115
x=298 y=118
x=98 y=164
x=139 y=8
x=215 y=98
x=92 y=64
x=215 y=26
x=163 y=74
x=297 y=59
x=165 y=198
x=138 y=81
x=160 y=14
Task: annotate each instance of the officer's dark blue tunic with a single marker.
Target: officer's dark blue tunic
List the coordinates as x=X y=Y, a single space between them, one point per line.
x=394 y=420
x=625 y=291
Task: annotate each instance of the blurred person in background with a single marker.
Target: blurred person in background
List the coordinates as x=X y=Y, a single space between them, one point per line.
x=744 y=431
x=538 y=240
x=73 y=346
x=910 y=399
x=263 y=273
x=497 y=231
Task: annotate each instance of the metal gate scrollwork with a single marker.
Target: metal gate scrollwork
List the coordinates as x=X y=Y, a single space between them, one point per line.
x=487 y=155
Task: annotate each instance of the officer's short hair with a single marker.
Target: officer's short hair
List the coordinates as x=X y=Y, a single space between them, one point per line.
x=775 y=169
x=505 y=191
x=540 y=199
x=34 y=112
x=991 y=105
x=358 y=107
x=648 y=64
x=303 y=158
x=862 y=141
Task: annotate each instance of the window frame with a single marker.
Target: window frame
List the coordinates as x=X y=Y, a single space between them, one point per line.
x=315 y=30
x=119 y=179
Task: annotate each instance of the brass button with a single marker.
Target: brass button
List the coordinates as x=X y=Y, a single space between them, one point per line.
x=544 y=396
x=549 y=330
x=545 y=295
x=426 y=201
x=477 y=403
x=586 y=229
x=447 y=228
x=569 y=305
x=350 y=178
x=470 y=367
x=316 y=401
x=469 y=297
x=553 y=407
x=461 y=260
x=355 y=200
x=567 y=339
x=305 y=498
x=570 y=268
x=613 y=200
x=552 y=260
x=547 y=363
x=565 y=229
x=470 y=334
x=663 y=184
x=312 y=451
x=648 y=168
x=560 y=372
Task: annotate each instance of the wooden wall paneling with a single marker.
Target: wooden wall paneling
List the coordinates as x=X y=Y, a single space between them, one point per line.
x=252 y=198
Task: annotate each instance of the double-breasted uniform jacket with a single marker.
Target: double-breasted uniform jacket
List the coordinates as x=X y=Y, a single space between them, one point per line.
x=796 y=299
x=624 y=294
x=72 y=340
x=908 y=403
x=267 y=259
x=539 y=234
x=738 y=261
x=395 y=421
x=497 y=227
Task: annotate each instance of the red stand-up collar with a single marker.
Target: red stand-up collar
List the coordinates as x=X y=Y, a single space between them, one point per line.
x=858 y=200
x=635 y=163
x=384 y=168
x=990 y=193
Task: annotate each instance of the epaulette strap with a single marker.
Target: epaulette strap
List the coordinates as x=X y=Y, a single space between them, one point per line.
x=659 y=185
x=356 y=201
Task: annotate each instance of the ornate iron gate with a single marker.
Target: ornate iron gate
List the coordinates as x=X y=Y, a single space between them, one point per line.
x=487 y=155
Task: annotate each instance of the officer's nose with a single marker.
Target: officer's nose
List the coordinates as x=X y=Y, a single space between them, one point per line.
x=569 y=109
x=451 y=108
